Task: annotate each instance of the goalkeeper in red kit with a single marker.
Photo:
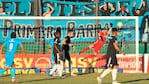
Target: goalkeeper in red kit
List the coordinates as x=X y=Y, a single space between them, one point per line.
x=99 y=43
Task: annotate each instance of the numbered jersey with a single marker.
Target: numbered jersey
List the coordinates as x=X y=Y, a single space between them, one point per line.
x=11 y=45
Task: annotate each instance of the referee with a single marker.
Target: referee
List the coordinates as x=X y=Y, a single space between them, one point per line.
x=111 y=58
x=66 y=44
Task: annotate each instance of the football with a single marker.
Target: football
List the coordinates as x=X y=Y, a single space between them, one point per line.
x=119 y=24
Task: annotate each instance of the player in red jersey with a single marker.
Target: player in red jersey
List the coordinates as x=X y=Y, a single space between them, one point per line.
x=99 y=43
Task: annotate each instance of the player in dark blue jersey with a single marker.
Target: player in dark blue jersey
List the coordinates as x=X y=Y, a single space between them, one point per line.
x=11 y=45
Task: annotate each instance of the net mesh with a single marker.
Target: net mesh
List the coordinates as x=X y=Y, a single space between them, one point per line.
x=35 y=33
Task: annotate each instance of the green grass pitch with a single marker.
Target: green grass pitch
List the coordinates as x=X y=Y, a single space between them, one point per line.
x=124 y=78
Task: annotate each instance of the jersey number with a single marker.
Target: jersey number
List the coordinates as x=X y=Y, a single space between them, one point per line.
x=10 y=46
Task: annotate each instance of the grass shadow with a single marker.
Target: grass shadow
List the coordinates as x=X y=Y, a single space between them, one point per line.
x=36 y=80
x=130 y=81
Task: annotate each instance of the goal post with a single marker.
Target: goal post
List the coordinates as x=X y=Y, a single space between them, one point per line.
x=85 y=31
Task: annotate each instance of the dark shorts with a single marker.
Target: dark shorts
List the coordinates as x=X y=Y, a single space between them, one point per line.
x=66 y=56
x=111 y=61
x=57 y=58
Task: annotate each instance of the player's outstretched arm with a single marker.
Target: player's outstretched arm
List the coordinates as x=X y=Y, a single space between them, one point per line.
x=118 y=49
x=110 y=29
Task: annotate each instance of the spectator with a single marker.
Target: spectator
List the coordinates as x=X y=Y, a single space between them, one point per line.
x=123 y=12
x=2 y=12
x=107 y=9
x=49 y=12
x=139 y=12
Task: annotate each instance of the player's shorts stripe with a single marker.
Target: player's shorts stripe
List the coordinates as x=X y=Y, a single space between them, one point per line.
x=58 y=57
x=109 y=61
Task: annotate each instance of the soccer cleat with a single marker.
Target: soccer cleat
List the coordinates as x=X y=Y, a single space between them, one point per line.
x=50 y=75
x=72 y=74
x=62 y=77
x=99 y=80
x=64 y=73
x=15 y=81
x=115 y=82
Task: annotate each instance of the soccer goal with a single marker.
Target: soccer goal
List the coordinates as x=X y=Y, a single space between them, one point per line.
x=36 y=32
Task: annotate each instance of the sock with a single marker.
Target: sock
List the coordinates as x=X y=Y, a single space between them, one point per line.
x=64 y=69
x=13 y=72
x=53 y=70
x=60 y=70
x=85 y=49
x=114 y=74
x=2 y=71
x=107 y=71
x=70 y=67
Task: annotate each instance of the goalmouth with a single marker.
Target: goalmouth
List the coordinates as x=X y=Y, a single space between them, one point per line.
x=35 y=32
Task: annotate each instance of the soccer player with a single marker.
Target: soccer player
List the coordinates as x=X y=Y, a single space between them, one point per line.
x=99 y=43
x=11 y=45
x=57 y=52
x=51 y=47
x=111 y=58
x=66 y=44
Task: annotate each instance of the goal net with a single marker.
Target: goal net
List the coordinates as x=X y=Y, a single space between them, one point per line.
x=36 y=32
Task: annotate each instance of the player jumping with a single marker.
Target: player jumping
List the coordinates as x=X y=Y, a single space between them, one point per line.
x=11 y=45
x=98 y=44
x=111 y=58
